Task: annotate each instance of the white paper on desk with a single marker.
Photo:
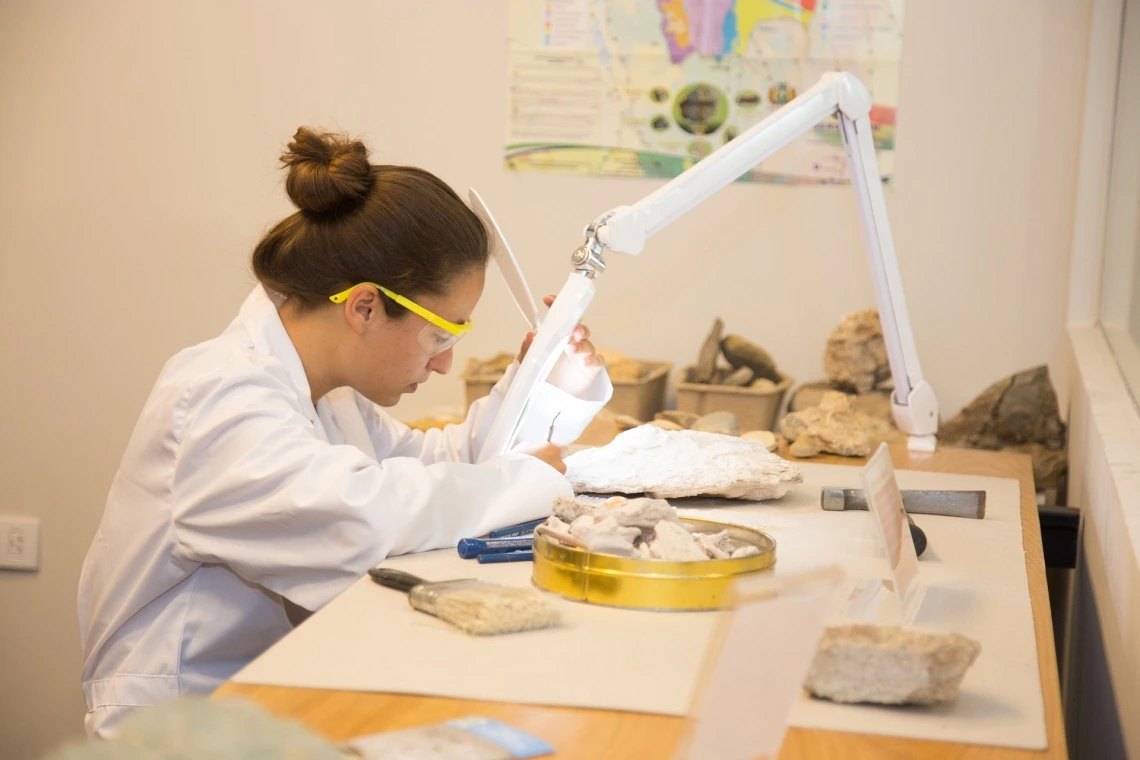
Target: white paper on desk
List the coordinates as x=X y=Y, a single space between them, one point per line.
x=369 y=639
x=742 y=706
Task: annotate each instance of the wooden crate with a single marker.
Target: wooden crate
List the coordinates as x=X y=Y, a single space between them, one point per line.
x=755 y=408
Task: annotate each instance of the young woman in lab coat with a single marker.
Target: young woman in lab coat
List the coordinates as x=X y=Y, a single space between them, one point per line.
x=263 y=477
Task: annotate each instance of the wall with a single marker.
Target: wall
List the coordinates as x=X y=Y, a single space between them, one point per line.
x=138 y=143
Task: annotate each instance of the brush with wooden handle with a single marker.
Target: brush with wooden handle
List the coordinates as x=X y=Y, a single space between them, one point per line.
x=473 y=606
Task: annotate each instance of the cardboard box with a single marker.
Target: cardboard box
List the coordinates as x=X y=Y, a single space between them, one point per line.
x=755 y=408
x=641 y=398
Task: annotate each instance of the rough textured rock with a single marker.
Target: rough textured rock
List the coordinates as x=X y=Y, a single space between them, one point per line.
x=741 y=352
x=706 y=362
x=626 y=370
x=674 y=543
x=717 y=422
x=684 y=419
x=666 y=425
x=766 y=437
x=803 y=447
x=856 y=356
x=889 y=665
x=832 y=427
x=1018 y=413
x=875 y=403
x=605 y=535
x=683 y=463
x=740 y=377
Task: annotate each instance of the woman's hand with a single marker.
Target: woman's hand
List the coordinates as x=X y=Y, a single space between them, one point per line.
x=551 y=454
x=585 y=356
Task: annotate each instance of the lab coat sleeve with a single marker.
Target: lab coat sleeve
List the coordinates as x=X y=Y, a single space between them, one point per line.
x=575 y=403
x=254 y=488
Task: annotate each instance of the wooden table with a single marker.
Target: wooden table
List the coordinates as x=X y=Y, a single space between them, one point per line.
x=601 y=734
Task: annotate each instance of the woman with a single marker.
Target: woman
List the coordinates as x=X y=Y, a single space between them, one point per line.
x=262 y=478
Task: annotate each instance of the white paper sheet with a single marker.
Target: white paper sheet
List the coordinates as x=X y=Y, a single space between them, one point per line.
x=973 y=573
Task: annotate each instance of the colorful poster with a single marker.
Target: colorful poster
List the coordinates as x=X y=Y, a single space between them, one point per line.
x=646 y=88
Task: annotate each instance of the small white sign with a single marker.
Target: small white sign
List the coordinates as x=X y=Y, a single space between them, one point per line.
x=885 y=502
x=755 y=667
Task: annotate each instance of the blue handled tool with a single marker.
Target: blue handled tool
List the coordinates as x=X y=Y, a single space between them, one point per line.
x=522 y=529
x=474 y=547
x=495 y=557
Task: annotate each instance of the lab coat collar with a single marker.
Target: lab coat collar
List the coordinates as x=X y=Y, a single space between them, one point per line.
x=259 y=316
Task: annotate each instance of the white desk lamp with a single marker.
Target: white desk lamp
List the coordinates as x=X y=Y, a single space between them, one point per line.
x=626 y=228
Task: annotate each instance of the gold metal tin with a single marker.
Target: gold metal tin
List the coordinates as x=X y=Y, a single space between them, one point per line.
x=649 y=584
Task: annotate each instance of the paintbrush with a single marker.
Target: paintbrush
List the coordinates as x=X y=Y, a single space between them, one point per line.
x=473 y=606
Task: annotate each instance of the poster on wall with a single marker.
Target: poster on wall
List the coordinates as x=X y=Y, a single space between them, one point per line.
x=646 y=88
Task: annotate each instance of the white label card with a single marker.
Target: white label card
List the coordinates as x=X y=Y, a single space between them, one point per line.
x=886 y=505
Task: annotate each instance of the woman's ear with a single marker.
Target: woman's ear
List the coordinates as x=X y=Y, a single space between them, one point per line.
x=363 y=309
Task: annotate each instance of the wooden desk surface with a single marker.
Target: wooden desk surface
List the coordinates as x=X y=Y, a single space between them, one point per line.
x=601 y=734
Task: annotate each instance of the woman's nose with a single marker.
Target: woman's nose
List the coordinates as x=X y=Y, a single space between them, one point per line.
x=442 y=362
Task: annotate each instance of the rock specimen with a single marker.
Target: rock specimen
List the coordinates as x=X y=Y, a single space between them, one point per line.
x=642 y=528
x=723 y=423
x=1018 y=413
x=666 y=425
x=889 y=665
x=856 y=356
x=874 y=403
x=832 y=426
x=741 y=352
x=706 y=362
x=625 y=422
x=765 y=437
x=684 y=419
x=740 y=377
x=666 y=464
x=674 y=543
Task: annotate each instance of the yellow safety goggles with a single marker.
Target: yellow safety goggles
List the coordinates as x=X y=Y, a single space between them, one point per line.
x=438 y=334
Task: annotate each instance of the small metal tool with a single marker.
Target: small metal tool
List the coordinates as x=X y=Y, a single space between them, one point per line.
x=947 y=503
x=550 y=434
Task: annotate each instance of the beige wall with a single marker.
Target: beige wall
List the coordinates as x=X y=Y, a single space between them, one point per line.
x=137 y=145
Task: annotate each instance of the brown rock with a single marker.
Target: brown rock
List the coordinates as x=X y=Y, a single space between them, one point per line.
x=741 y=352
x=717 y=422
x=706 y=362
x=626 y=370
x=856 y=356
x=833 y=426
x=684 y=419
x=889 y=665
x=1017 y=413
x=740 y=377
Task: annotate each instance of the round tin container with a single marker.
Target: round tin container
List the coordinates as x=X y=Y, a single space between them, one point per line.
x=649 y=584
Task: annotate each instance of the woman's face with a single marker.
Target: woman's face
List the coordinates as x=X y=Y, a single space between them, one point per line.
x=392 y=359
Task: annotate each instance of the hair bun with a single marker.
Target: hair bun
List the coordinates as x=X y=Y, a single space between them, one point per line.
x=327 y=171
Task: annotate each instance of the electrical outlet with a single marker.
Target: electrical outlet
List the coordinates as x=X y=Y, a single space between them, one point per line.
x=19 y=542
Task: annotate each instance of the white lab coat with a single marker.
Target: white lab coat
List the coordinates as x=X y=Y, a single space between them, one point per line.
x=236 y=494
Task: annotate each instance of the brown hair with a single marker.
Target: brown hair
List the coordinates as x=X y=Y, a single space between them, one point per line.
x=397 y=226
